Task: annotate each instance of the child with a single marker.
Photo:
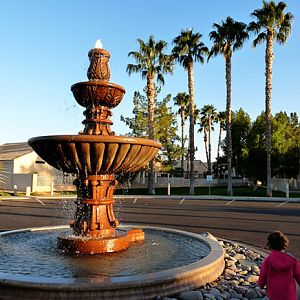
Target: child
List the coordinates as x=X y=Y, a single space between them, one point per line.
x=279 y=270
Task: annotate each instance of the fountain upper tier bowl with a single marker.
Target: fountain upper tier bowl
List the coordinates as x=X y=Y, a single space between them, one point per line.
x=98 y=92
x=95 y=154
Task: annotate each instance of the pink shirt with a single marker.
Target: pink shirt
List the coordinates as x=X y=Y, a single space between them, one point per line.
x=279 y=272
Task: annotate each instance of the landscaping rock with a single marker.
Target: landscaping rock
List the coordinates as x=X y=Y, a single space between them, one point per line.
x=238 y=282
x=191 y=295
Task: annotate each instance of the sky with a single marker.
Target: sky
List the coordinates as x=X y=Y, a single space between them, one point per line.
x=44 y=47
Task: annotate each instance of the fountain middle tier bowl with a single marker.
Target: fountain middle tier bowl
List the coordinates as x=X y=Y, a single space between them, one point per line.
x=95 y=154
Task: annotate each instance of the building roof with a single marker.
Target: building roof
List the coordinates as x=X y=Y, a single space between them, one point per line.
x=11 y=151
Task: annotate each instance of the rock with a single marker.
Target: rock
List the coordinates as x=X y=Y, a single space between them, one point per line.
x=251 y=294
x=252 y=278
x=215 y=292
x=230 y=272
x=225 y=295
x=234 y=283
x=239 y=256
x=242 y=290
x=191 y=295
x=230 y=263
x=208 y=296
x=255 y=269
x=246 y=268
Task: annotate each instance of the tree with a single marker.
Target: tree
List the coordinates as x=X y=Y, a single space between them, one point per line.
x=241 y=125
x=182 y=100
x=151 y=62
x=271 y=24
x=256 y=158
x=228 y=37
x=165 y=127
x=188 y=49
x=285 y=145
x=208 y=116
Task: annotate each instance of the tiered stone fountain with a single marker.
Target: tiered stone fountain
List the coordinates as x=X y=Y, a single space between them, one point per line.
x=167 y=263
x=95 y=155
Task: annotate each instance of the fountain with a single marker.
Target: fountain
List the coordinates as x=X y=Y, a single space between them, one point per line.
x=95 y=155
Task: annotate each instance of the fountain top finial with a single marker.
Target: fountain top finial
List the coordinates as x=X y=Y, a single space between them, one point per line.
x=99 y=63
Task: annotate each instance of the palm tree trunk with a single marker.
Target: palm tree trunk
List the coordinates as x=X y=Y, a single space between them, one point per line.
x=192 y=123
x=182 y=136
x=269 y=61
x=209 y=145
x=205 y=144
x=228 y=124
x=218 y=153
x=150 y=94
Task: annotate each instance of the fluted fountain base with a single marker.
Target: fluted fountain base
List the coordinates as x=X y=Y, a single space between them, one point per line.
x=88 y=245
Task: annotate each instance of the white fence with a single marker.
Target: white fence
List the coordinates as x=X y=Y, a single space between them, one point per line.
x=178 y=181
x=285 y=185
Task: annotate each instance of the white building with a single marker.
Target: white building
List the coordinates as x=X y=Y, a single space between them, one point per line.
x=20 y=168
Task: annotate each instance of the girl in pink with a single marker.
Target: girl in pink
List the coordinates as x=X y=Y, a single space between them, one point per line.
x=279 y=270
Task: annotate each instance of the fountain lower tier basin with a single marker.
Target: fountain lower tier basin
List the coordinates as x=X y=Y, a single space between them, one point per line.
x=168 y=262
x=95 y=154
x=87 y=245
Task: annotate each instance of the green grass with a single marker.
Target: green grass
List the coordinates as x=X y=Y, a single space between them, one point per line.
x=216 y=191
x=4 y=194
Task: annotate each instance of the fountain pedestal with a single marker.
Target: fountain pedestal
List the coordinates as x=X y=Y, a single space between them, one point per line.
x=95 y=223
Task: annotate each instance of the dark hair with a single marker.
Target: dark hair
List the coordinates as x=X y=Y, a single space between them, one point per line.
x=277 y=241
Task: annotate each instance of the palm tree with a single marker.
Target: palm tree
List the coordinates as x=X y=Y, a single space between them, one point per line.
x=228 y=37
x=182 y=100
x=187 y=49
x=272 y=24
x=208 y=116
x=151 y=62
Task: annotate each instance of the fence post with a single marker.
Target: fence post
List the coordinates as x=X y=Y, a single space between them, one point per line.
x=28 y=191
x=169 y=185
x=287 y=192
x=52 y=188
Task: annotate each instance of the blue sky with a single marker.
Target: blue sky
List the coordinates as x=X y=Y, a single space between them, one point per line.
x=44 y=46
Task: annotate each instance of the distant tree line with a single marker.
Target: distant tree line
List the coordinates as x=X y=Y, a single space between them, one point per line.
x=152 y=62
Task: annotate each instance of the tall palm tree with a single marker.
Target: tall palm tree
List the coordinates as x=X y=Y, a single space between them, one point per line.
x=151 y=62
x=271 y=24
x=188 y=49
x=182 y=100
x=208 y=116
x=228 y=37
